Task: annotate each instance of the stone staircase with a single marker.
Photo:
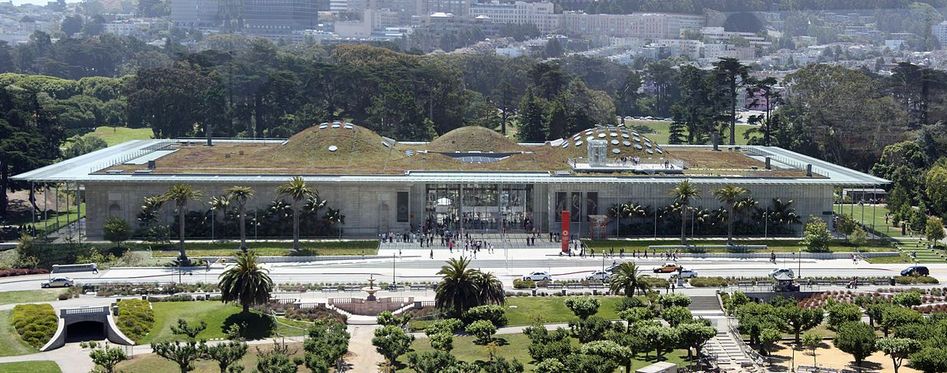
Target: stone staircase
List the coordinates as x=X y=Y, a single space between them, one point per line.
x=728 y=352
x=924 y=254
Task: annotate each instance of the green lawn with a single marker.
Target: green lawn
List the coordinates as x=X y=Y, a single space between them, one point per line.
x=30 y=367
x=10 y=342
x=552 y=310
x=660 y=130
x=29 y=296
x=53 y=221
x=118 y=135
x=892 y=259
x=515 y=346
x=779 y=246
x=218 y=317
x=870 y=215
x=361 y=247
x=151 y=363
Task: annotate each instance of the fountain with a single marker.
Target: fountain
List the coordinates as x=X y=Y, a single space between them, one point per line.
x=371 y=289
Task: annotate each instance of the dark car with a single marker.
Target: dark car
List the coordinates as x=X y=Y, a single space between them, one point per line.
x=915 y=271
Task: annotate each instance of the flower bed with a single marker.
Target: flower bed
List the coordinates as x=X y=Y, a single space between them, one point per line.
x=109 y=290
x=928 y=301
x=22 y=272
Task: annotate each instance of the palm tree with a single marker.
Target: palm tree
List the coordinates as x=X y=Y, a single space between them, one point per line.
x=730 y=195
x=335 y=217
x=240 y=195
x=181 y=194
x=457 y=292
x=626 y=278
x=245 y=282
x=297 y=190
x=732 y=73
x=490 y=287
x=217 y=204
x=683 y=193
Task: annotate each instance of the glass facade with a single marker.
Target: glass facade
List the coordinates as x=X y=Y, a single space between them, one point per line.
x=487 y=207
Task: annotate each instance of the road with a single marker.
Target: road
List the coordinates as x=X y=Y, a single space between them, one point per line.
x=416 y=266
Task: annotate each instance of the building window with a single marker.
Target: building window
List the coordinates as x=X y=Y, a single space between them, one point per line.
x=402 y=207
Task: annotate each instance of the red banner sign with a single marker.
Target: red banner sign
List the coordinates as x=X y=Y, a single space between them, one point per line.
x=566 y=217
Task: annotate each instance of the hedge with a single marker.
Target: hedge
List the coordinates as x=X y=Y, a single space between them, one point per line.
x=708 y=282
x=36 y=323
x=911 y=280
x=135 y=318
x=22 y=271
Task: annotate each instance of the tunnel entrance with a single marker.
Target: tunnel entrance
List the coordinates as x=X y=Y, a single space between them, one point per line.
x=85 y=331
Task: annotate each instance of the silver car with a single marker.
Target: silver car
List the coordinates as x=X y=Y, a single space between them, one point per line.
x=687 y=273
x=603 y=276
x=59 y=282
x=538 y=276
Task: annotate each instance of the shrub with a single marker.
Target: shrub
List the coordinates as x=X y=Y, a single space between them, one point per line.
x=816 y=235
x=482 y=329
x=655 y=282
x=36 y=323
x=709 y=282
x=912 y=280
x=631 y=302
x=582 y=307
x=671 y=300
x=491 y=312
x=135 y=318
x=523 y=284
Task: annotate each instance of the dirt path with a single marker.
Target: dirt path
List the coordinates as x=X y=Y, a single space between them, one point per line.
x=362 y=355
x=827 y=356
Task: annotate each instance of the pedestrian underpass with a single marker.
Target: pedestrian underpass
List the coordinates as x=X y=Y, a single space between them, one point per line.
x=86 y=324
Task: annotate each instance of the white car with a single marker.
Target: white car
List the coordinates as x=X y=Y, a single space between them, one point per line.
x=538 y=276
x=603 y=276
x=687 y=273
x=779 y=271
x=59 y=282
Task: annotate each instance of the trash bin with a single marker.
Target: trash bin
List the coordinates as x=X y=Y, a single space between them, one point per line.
x=893 y=282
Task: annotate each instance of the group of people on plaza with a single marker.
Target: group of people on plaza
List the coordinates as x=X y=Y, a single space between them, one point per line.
x=449 y=240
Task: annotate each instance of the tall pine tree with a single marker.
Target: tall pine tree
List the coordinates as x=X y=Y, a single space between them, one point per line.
x=532 y=124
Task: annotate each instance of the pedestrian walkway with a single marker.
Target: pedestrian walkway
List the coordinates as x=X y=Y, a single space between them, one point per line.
x=730 y=354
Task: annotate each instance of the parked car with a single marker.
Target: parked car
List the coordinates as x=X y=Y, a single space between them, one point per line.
x=667 y=268
x=59 y=282
x=779 y=271
x=915 y=271
x=603 y=276
x=687 y=273
x=538 y=276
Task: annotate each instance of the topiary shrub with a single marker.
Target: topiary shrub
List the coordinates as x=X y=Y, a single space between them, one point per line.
x=35 y=323
x=492 y=313
x=135 y=318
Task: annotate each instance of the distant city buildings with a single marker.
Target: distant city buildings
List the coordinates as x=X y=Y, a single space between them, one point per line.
x=194 y=13
x=540 y=14
x=940 y=32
